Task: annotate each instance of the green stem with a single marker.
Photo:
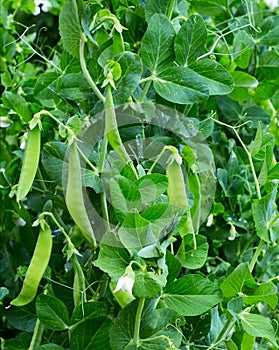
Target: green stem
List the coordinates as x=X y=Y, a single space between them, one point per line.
x=145 y=90
x=170 y=10
x=101 y=168
x=37 y=335
x=224 y=332
x=256 y=255
x=138 y=320
x=86 y=72
x=87 y=160
x=272 y=221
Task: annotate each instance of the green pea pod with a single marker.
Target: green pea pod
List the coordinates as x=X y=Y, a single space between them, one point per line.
x=36 y=269
x=176 y=189
x=74 y=197
x=30 y=163
x=111 y=129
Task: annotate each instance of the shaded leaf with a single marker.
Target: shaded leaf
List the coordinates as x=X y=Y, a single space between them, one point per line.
x=69 y=27
x=52 y=312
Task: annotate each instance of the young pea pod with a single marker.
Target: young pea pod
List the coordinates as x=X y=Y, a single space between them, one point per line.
x=30 y=163
x=111 y=129
x=74 y=197
x=37 y=267
x=176 y=189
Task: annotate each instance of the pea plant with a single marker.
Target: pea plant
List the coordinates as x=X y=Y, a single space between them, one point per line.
x=139 y=175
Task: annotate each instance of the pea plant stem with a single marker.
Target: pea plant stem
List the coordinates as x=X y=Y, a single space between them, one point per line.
x=85 y=70
x=170 y=9
x=258 y=189
x=224 y=331
x=37 y=335
x=145 y=90
x=138 y=320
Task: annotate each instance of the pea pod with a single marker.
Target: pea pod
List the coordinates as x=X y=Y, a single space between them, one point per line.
x=111 y=129
x=74 y=198
x=176 y=189
x=30 y=163
x=36 y=269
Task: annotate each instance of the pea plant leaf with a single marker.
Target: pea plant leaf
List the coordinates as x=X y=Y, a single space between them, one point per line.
x=191 y=295
x=190 y=40
x=266 y=292
x=181 y=85
x=157 y=44
x=265 y=209
x=69 y=27
x=52 y=312
x=153 y=7
x=258 y=326
x=217 y=78
x=112 y=260
x=234 y=283
x=131 y=70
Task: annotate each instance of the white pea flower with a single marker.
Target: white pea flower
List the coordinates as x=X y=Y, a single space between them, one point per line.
x=126 y=282
x=272 y=4
x=43 y=5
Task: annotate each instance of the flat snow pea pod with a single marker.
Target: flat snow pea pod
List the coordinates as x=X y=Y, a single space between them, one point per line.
x=37 y=267
x=74 y=197
x=30 y=163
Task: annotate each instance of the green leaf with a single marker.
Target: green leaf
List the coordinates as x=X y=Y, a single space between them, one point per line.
x=85 y=312
x=91 y=334
x=174 y=266
x=190 y=256
x=181 y=85
x=136 y=232
x=49 y=347
x=154 y=6
x=46 y=86
x=113 y=260
x=265 y=211
x=258 y=326
x=18 y=104
x=211 y=7
x=22 y=318
x=234 y=283
x=243 y=85
x=147 y=284
x=242 y=48
x=256 y=144
x=125 y=196
x=52 y=312
x=152 y=186
x=217 y=78
x=197 y=327
x=248 y=342
x=268 y=68
x=270 y=31
x=157 y=44
x=69 y=27
x=266 y=292
x=3 y=292
x=235 y=306
x=131 y=68
x=190 y=40
x=153 y=324
x=191 y=295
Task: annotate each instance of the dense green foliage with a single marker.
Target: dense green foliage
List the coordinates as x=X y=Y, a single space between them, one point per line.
x=145 y=135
